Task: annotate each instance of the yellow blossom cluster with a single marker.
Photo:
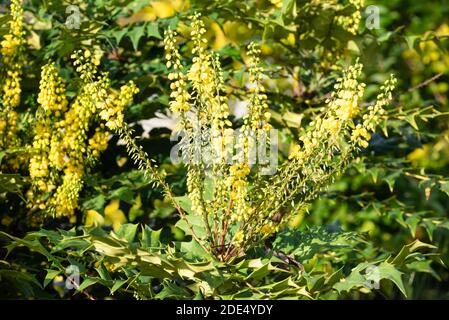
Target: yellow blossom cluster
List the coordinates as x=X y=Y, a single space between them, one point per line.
x=39 y=161
x=347 y=94
x=195 y=189
x=12 y=43
x=323 y=149
x=256 y=124
x=73 y=146
x=219 y=108
x=205 y=76
x=113 y=104
x=351 y=23
x=361 y=136
x=327 y=145
x=238 y=183
x=179 y=94
x=75 y=127
x=321 y=129
x=53 y=103
x=258 y=116
x=343 y=107
x=58 y=142
x=98 y=142
x=52 y=91
x=362 y=132
x=65 y=200
x=86 y=64
x=12 y=52
x=63 y=144
x=207 y=80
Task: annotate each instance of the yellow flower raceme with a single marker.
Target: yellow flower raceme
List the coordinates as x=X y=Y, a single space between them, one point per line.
x=361 y=136
x=351 y=23
x=52 y=96
x=98 y=142
x=12 y=44
x=348 y=92
x=53 y=102
x=65 y=200
x=9 y=47
x=63 y=144
x=343 y=107
x=113 y=105
x=71 y=145
x=206 y=81
x=238 y=184
x=194 y=187
x=12 y=52
x=179 y=101
x=11 y=87
x=256 y=122
x=325 y=147
x=75 y=127
x=258 y=116
x=200 y=90
x=206 y=78
x=41 y=143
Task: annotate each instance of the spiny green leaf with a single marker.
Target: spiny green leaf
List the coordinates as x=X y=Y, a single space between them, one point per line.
x=150 y=237
x=51 y=274
x=388 y=271
x=401 y=257
x=87 y=282
x=412 y=121
x=135 y=34
x=118 y=34
x=444 y=186
x=117 y=285
x=153 y=30
x=127 y=232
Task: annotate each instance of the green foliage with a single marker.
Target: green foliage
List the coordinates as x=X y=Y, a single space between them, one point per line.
x=140 y=263
x=385 y=221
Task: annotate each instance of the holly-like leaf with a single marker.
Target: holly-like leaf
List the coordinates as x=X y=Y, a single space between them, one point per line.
x=135 y=34
x=153 y=30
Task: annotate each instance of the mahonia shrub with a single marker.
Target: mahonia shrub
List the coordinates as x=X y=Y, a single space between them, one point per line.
x=238 y=199
x=239 y=205
x=68 y=133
